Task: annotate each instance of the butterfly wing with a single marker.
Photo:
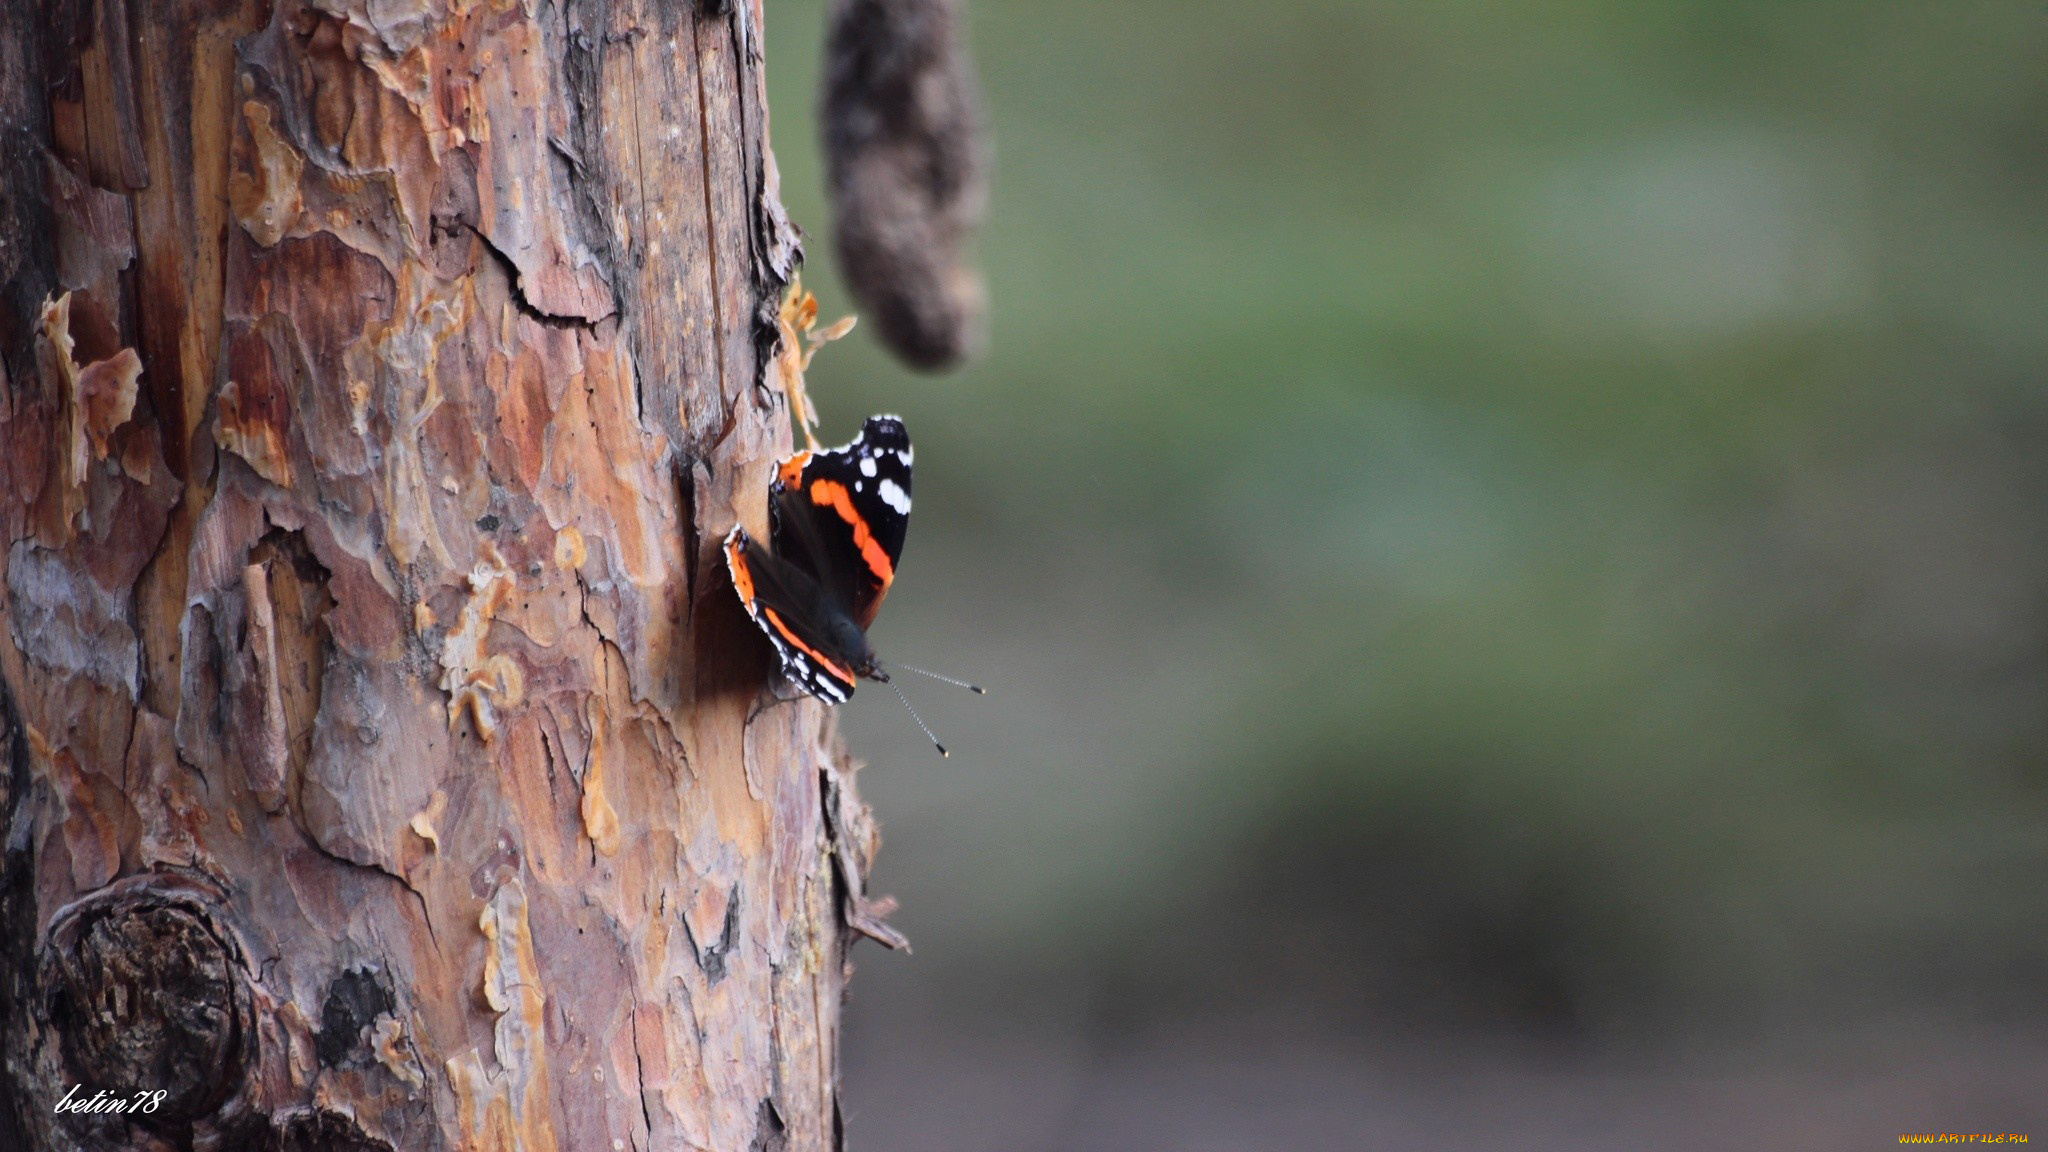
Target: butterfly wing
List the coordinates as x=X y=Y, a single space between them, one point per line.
x=791 y=608
x=842 y=514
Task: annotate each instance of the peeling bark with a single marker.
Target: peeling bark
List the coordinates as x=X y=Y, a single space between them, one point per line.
x=387 y=762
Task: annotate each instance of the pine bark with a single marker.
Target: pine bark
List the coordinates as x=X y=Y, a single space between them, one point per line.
x=385 y=762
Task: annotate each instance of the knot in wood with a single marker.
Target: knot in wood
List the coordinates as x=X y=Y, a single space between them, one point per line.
x=320 y=1130
x=147 y=990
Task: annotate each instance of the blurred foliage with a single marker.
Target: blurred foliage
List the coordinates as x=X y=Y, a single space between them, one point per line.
x=1546 y=491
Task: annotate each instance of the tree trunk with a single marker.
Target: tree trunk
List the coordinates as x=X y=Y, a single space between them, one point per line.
x=388 y=763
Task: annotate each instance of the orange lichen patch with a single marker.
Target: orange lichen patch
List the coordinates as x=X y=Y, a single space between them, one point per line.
x=600 y=821
x=793 y=352
x=476 y=683
x=254 y=409
x=834 y=495
x=422 y=617
x=570 y=551
x=266 y=199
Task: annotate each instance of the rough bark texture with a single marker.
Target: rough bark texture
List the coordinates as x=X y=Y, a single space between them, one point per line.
x=387 y=762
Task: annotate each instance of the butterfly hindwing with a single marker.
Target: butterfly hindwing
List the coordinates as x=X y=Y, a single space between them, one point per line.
x=790 y=607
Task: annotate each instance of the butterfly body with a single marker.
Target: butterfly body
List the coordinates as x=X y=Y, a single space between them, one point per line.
x=837 y=520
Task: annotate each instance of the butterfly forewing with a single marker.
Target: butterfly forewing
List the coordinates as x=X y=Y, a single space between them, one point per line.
x=843 y=513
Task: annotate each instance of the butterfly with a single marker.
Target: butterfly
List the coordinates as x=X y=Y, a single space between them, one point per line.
x=837 y=518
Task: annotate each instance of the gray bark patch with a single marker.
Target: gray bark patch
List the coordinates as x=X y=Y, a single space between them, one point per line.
x=65 y=622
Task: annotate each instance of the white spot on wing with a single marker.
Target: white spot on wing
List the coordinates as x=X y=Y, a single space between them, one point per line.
x=867 y=465
x=894 y=496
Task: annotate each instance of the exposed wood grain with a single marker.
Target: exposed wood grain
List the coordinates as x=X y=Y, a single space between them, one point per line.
x=374 y=640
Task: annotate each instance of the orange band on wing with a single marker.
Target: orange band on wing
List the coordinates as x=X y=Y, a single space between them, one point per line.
x=791 y=471
x=833 y=495
x=776 y=622
x=742 y=579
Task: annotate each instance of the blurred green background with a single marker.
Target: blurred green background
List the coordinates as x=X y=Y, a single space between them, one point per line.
x=1498 y=531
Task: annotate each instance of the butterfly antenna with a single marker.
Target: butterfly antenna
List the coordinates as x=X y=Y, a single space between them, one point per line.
x=913 y=714
x=977 y=689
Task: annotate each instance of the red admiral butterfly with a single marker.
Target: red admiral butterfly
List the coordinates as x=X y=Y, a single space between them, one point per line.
x=836 y=519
